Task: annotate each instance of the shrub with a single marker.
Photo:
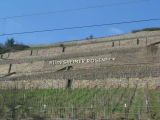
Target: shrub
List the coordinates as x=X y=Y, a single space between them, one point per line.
x=20 y=47
x=10 y=43
x=10 y=46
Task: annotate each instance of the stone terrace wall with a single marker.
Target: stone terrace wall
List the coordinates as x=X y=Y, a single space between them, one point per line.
x=125 y=52
x=99 y=83
x=121 y=71
x=136 y=61
x=123 y=37
x=123 y=56
x=121 y=41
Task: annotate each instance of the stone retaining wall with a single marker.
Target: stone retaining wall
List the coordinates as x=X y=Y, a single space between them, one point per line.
x=133 y=60
x=121 y=41
x=98 y=83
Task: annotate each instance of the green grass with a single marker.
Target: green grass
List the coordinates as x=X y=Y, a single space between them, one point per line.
x=155 y=103
x=78 y=103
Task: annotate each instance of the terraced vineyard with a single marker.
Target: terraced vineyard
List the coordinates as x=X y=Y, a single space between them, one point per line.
x=112 y=103
x=110 y=78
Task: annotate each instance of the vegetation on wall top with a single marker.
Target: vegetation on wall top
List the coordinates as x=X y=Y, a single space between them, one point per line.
x=147 y=29
x=10 y=46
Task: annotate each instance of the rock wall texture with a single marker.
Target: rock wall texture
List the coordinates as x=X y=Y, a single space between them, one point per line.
x=132 y=58
x=151 y=82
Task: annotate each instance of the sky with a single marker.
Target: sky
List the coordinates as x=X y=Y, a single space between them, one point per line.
x=113 y=12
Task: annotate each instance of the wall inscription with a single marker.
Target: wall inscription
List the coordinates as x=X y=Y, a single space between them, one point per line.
x=79 y=61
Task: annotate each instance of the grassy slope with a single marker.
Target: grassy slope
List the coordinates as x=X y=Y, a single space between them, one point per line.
x=80 y=103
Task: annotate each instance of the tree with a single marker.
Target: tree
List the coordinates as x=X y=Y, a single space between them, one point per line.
x=10 y=43
x=90 y=37
x=10 y=46
x=1 y=48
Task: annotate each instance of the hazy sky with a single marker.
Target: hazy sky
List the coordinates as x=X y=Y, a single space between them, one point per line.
x=115 y=13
